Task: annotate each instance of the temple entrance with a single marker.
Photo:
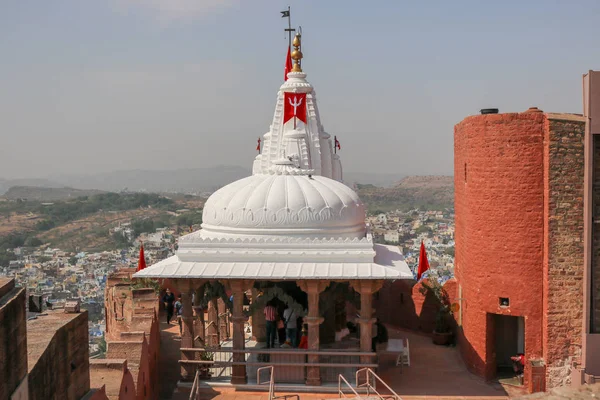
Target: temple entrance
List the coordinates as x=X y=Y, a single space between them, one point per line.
x=509 y=341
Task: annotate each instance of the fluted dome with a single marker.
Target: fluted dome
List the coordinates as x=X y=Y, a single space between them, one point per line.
x=284 y=205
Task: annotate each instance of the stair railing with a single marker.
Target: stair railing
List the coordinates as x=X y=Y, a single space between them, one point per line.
x=348 y=385
x=372 y=379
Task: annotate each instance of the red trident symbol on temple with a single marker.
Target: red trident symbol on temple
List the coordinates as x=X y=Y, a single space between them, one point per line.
x=294 y=106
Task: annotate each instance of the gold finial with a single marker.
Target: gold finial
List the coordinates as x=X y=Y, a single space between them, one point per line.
x=296 y=54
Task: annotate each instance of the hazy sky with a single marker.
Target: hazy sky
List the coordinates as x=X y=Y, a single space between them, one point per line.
x=91 y=86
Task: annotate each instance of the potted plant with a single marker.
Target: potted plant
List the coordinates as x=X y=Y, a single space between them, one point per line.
x=442 y=333
x=205 y=368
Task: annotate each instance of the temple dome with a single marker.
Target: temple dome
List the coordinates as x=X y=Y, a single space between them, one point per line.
x=284 y=205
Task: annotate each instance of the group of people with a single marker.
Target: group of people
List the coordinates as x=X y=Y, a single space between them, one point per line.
x=173 y=307
x=283 y=325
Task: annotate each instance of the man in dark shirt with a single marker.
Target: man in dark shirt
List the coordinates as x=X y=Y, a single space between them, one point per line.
x=270 y=317
x=169 y=300
x=179 y=313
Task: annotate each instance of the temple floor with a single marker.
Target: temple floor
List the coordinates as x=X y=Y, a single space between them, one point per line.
x=436 y=372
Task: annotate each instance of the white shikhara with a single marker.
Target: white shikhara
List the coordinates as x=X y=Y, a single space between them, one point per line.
x=293 y=218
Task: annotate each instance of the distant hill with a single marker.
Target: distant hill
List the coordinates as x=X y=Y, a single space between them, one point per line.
x=46 y=193
x=424 y=192
x=6 y=184
x=196 y=180
x=381 y=180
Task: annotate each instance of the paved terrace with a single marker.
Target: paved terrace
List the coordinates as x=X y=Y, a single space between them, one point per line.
x=436 y=372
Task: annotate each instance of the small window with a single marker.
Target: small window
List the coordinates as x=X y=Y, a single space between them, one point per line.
x=504 y=301
x=465 y=172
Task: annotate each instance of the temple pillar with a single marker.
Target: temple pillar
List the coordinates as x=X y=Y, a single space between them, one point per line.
x=223 y=320
x=313 y=288
x=366 y=289
x=212 y=329
x=259 y=324
x=238 y=374
x=199 y=314
x=186 y=288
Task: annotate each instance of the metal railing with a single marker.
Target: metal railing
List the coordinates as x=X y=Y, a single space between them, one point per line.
x=348 y=385
x=370 y=385
x=271 y=383
x=291 y=363
x=195 y=392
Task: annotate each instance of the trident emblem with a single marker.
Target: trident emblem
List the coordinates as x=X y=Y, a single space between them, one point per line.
x=297 y=103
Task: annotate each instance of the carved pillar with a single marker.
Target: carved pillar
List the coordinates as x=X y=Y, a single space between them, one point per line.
x=313 y=288
x=223 y=320
x=259 y=324
x=212 y=330
x=186 y=288
x=238 y=375
x=199 y=313
x=366 y=288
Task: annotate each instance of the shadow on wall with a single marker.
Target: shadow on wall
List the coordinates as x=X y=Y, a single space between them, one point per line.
x=401 y=303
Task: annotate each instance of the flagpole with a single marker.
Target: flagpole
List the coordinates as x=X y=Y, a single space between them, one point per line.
x=289 y=28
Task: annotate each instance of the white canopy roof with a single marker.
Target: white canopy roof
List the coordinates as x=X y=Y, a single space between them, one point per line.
x=389 y=264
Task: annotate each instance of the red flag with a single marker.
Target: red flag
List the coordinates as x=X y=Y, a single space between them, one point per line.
x=423 y=263
x=288 y=64
x=337 y=143
x=258 y=146
x=294 y=106
x=142 y=260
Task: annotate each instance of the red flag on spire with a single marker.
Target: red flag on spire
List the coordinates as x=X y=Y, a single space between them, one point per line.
x=423 y=263
x=294 y=106
x=337 y=143
x=142 y=260
x=258 y=146
x=288 y=64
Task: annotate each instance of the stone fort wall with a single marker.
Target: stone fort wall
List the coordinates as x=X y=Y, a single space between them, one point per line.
x=13 y=338
x=519 y=223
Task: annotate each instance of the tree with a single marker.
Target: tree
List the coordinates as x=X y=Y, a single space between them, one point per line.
x=102 y=345
x=32 y=241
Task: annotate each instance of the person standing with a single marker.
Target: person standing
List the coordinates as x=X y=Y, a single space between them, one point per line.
x=291 y=327
x=179 y=313
x=271 y=318
x=169 y=300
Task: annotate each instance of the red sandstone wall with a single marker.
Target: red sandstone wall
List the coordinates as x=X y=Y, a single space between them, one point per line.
x=62 y=371
x=115 y=377
x=499 y=204
x=401 y=303
x=13 y=338
x=132 y=316
x=98 y=394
